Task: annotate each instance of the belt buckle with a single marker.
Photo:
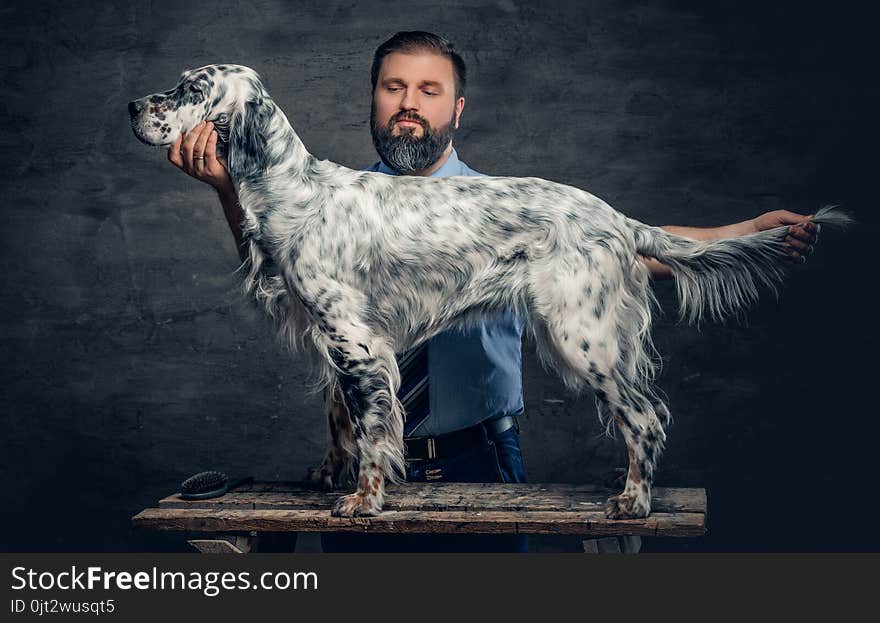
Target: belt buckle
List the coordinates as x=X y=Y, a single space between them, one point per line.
x=409 y=457
x=432 y=449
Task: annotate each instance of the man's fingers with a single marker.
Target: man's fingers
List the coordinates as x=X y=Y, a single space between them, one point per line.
x=807 y=232
x=174 y=153
x=187 y=148
x=211 y=160
x=199 y=162
x=804 y=248
x=210 y=151
x=195 y=153
x=202 y=140
x=809 y=225
x=185 y=154
x=797 y=258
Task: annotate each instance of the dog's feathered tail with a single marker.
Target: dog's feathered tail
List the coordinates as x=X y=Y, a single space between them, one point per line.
x=718 y=278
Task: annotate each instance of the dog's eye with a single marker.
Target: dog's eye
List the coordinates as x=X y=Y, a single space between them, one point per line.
x=195 y=88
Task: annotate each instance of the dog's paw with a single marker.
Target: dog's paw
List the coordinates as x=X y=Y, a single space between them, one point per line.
x=319 y=478
x=356 y=505
x=627 y=506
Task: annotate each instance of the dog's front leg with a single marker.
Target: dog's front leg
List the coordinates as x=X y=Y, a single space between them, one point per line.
x=368 y=377
x=377 y=423
x=339 y=459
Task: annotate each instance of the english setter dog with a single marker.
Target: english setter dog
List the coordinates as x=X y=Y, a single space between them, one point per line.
x=357 y=266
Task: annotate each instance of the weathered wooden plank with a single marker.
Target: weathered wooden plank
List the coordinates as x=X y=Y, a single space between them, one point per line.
x=447 y=508
x=446 y=497
x=588 y=523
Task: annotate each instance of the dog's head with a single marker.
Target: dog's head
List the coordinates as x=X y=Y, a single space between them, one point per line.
x=210 y=93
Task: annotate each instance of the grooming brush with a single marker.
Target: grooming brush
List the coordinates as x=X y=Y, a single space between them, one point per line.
x=210 y=484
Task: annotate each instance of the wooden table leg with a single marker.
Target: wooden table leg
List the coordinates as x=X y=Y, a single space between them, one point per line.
x=628 y=544
x=227 y=544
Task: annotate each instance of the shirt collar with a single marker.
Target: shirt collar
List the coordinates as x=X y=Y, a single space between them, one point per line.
x=450 y=168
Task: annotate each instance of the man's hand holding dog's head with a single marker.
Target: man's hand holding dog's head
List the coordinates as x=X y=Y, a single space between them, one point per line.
x=196 y=155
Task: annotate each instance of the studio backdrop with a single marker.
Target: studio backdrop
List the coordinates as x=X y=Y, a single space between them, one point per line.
x=130 y=359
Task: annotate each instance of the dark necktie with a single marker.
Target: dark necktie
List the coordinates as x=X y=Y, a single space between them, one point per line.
x=413 y=393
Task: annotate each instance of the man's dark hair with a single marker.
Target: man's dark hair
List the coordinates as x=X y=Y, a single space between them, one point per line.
x=421 y=41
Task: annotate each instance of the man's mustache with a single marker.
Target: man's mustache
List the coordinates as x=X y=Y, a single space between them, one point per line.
x=408 y=116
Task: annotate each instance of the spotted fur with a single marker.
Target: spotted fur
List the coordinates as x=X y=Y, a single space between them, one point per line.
x=356 y=266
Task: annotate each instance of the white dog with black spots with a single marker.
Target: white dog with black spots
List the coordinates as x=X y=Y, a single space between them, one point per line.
x=357 y=266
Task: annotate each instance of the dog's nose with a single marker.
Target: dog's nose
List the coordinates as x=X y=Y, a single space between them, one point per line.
x=135 y=107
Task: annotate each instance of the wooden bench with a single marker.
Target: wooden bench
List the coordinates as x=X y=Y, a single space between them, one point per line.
x=237 y=518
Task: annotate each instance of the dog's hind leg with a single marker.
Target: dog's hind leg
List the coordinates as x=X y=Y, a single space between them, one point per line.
x=636 y=417
x=592 y=321
x=641 y=422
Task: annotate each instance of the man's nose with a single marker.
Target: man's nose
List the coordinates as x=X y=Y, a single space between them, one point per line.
x=410 y=100
x=135 y=107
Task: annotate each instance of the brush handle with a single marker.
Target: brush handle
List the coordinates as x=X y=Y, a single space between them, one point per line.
x=241 y=481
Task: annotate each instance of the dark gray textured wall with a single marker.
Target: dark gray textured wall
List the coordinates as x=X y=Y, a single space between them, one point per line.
x=130 y=361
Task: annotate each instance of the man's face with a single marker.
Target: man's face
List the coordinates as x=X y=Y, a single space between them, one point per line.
x=415 y=111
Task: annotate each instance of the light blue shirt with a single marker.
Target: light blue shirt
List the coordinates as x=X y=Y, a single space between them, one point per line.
x=474 y=374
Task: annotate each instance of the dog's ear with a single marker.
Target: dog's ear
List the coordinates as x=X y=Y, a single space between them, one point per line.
x=248 y=137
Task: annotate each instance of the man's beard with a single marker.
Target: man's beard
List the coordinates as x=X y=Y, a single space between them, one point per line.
x=406 y=153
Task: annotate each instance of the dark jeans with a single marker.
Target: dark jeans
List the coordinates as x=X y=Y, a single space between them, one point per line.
x=497 y=459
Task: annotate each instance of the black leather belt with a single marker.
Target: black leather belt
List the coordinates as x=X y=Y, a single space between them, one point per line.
x=426 y=448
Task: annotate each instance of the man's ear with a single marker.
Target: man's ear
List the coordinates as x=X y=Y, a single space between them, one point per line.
x=459 y=106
